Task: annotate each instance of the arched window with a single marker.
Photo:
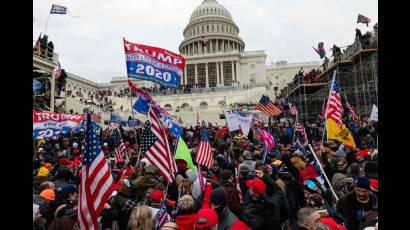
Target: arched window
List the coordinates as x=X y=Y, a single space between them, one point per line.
x=221 y=103
x=185 y=106
x=203 y=105
x=168 y=107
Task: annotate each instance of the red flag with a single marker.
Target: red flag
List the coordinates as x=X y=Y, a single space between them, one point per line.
x=139 y=91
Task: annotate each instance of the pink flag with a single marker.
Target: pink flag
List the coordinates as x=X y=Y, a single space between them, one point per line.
x=267 y=139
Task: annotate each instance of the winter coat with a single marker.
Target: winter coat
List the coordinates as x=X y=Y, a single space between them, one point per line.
x=116 y=212
x=262 y=213
x=348 y=207
x=226 y=219
x=307 y=173
x=185 y=222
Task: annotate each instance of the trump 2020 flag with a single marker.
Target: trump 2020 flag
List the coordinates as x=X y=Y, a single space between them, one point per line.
x=153 y=64
x=57 y=9
x=268 y=139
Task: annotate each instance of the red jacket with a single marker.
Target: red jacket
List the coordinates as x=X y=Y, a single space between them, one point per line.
x=207 y=196
x=186 y=222
x=308 y=173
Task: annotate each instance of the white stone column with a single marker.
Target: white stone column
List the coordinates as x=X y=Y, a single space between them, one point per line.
x=232 y=71
x=196 y=73
x=199 y=47
x=217 y=73
x=222 y=74
x=223 y=46
x=185 y=75
x=238 y=71
x=206 y=76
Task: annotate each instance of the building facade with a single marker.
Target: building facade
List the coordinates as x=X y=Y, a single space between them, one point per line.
x=218 y=68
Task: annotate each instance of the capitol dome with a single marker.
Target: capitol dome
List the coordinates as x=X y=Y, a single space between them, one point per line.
x=211 y=29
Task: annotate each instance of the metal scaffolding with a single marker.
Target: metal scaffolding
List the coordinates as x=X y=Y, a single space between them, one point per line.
x=357 y=73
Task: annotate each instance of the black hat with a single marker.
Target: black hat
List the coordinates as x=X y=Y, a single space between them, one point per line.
x=219 y=197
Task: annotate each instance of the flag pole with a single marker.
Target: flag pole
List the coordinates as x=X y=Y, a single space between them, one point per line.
x=323 y=172
x=45 y=28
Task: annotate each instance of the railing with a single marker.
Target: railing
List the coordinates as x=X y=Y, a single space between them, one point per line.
x=43 y=53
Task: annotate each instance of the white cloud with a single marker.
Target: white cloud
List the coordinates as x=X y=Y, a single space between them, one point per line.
x=91 y=45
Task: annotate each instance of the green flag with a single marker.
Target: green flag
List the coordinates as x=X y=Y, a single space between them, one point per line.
x=183 y=153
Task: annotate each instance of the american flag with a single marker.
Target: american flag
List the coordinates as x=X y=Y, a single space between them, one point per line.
x=351 y=111
x=267 y=106
x=163 y=216
x=334 y=108
x=155 y=146
x=293 y=109
x=36 y=48
x=300 y=128
x=119 y=146
x=238 y=187
x=204 y=155
x=96 y=117
x=96 y=181
x=363 y=19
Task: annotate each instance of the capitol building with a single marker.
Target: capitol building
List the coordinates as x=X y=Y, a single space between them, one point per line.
x=219 y=70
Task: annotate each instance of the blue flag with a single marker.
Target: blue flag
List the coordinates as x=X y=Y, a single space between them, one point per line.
x=141 y=105
x=57 y=9
x=36 y=85
x=115 y=117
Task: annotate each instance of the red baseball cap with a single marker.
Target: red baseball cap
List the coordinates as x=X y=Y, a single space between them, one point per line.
x=205 y=217
x=374 y=185
x=257 y=185
x=157 y=196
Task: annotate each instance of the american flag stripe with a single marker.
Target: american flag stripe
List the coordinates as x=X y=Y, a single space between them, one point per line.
x=351 y=110
x=159 y=154
x=334 y=107
x=96 y=181
x=270 y=110
x=204 y=154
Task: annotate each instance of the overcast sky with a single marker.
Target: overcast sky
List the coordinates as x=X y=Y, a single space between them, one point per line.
x=90 y=45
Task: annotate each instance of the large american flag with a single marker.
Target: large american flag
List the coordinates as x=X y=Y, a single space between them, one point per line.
x=265 y=105
x=96 y=181
x=334 y=108
x=155 y=146
x=204 y=155
x=119 y=146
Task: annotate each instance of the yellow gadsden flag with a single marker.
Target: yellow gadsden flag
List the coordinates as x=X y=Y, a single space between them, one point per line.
x=341 y=134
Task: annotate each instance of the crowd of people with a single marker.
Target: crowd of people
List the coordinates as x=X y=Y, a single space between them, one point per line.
x=247 y=186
